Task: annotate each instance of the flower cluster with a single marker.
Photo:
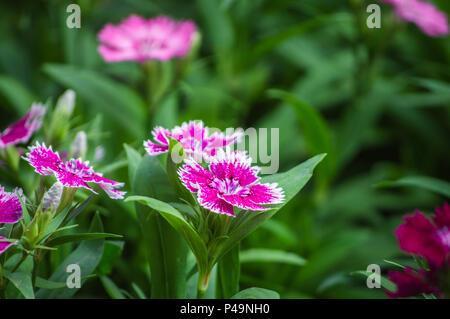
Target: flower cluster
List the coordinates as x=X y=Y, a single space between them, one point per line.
x=229 y=181
x=426 y=16
x=21 y=131
x=138 y=39
x=194 y=137
x=430 y=240
x=71 y=173
x=10 y=212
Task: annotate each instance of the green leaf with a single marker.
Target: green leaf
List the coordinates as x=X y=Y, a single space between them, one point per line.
x=79 y=209
x=47 y=284
x=87 y=255
x=218 y=24
x=175 y=158
x=385 y=283
x=166 y=115
x=177 y=221
x=429 y=183
x=271 y=255
x=291 y=182
x=26 y=214
x=269 y=43
x=256 y=293
x=138 y=291
x=111 y=288
x=228 y=274
x=134 y=158
x=22 y=281
x=79 y=237
x=111 y=252
x=166 y=249
x=19 y=96
x=315 y=132
x=114 y=100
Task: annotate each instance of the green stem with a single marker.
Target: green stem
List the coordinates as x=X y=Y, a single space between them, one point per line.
x=24 y=256
x=203 y=281
x=66 y=199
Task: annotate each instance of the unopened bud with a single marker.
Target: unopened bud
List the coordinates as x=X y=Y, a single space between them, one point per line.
x=79 y=145
x=66 y=103
x=53 y=196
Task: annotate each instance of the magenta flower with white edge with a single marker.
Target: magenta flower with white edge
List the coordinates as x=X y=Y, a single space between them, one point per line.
x=71 y=173
x=10 y=212
x=21 y=131
x=230 y=181
x=139 y=39
x=194 y=137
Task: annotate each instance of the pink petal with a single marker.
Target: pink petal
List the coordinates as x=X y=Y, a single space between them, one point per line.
x=160 y=134
x=10 y=208
x=265 y=194
x=4 y=245
x=442 y=217
x=419 y=236
x=209 y=199
x=21 y=131
x=234 y=165
x=137 y=39
x=193 y=175
x=409 y=284
x=117 y=55
x=43 y=159
x=109 y=186
x=241 y=202
x=155 y=149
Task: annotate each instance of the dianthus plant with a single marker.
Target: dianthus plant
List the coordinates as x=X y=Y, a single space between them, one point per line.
x=212 y=200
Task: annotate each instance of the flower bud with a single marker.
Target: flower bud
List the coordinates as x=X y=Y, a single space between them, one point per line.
x=79 y=145
x=66 y=103
x=52 y=197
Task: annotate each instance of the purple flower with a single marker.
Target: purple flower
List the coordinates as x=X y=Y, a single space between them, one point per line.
x=425 y=15
x=193 y=136
x=71 y=173
x=411 y=283
x=428 y=239
x=138 y=39
x=21 y=131
x=10 y=212
x=230 y=181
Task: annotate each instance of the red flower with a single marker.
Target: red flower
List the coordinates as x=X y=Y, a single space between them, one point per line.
x=428 y=239
x=411 y=283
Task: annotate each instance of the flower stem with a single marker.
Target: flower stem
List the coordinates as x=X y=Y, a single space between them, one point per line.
x=203 y=281
x=24 y=256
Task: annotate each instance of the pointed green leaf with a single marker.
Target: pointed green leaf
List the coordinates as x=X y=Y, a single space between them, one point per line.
x=256 y=293
x=429 y=183
x=166 y=248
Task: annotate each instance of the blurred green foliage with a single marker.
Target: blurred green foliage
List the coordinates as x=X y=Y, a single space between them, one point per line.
x=375 y=100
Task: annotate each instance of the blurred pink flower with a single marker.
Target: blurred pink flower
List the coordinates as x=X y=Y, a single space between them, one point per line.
x=138 y=39
x=193 y=136
x=21 y=131
x=230 y=181
x=430 y=240
x=411 y=283
x=425 y=15
x=72 y=173
x=10 y=212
